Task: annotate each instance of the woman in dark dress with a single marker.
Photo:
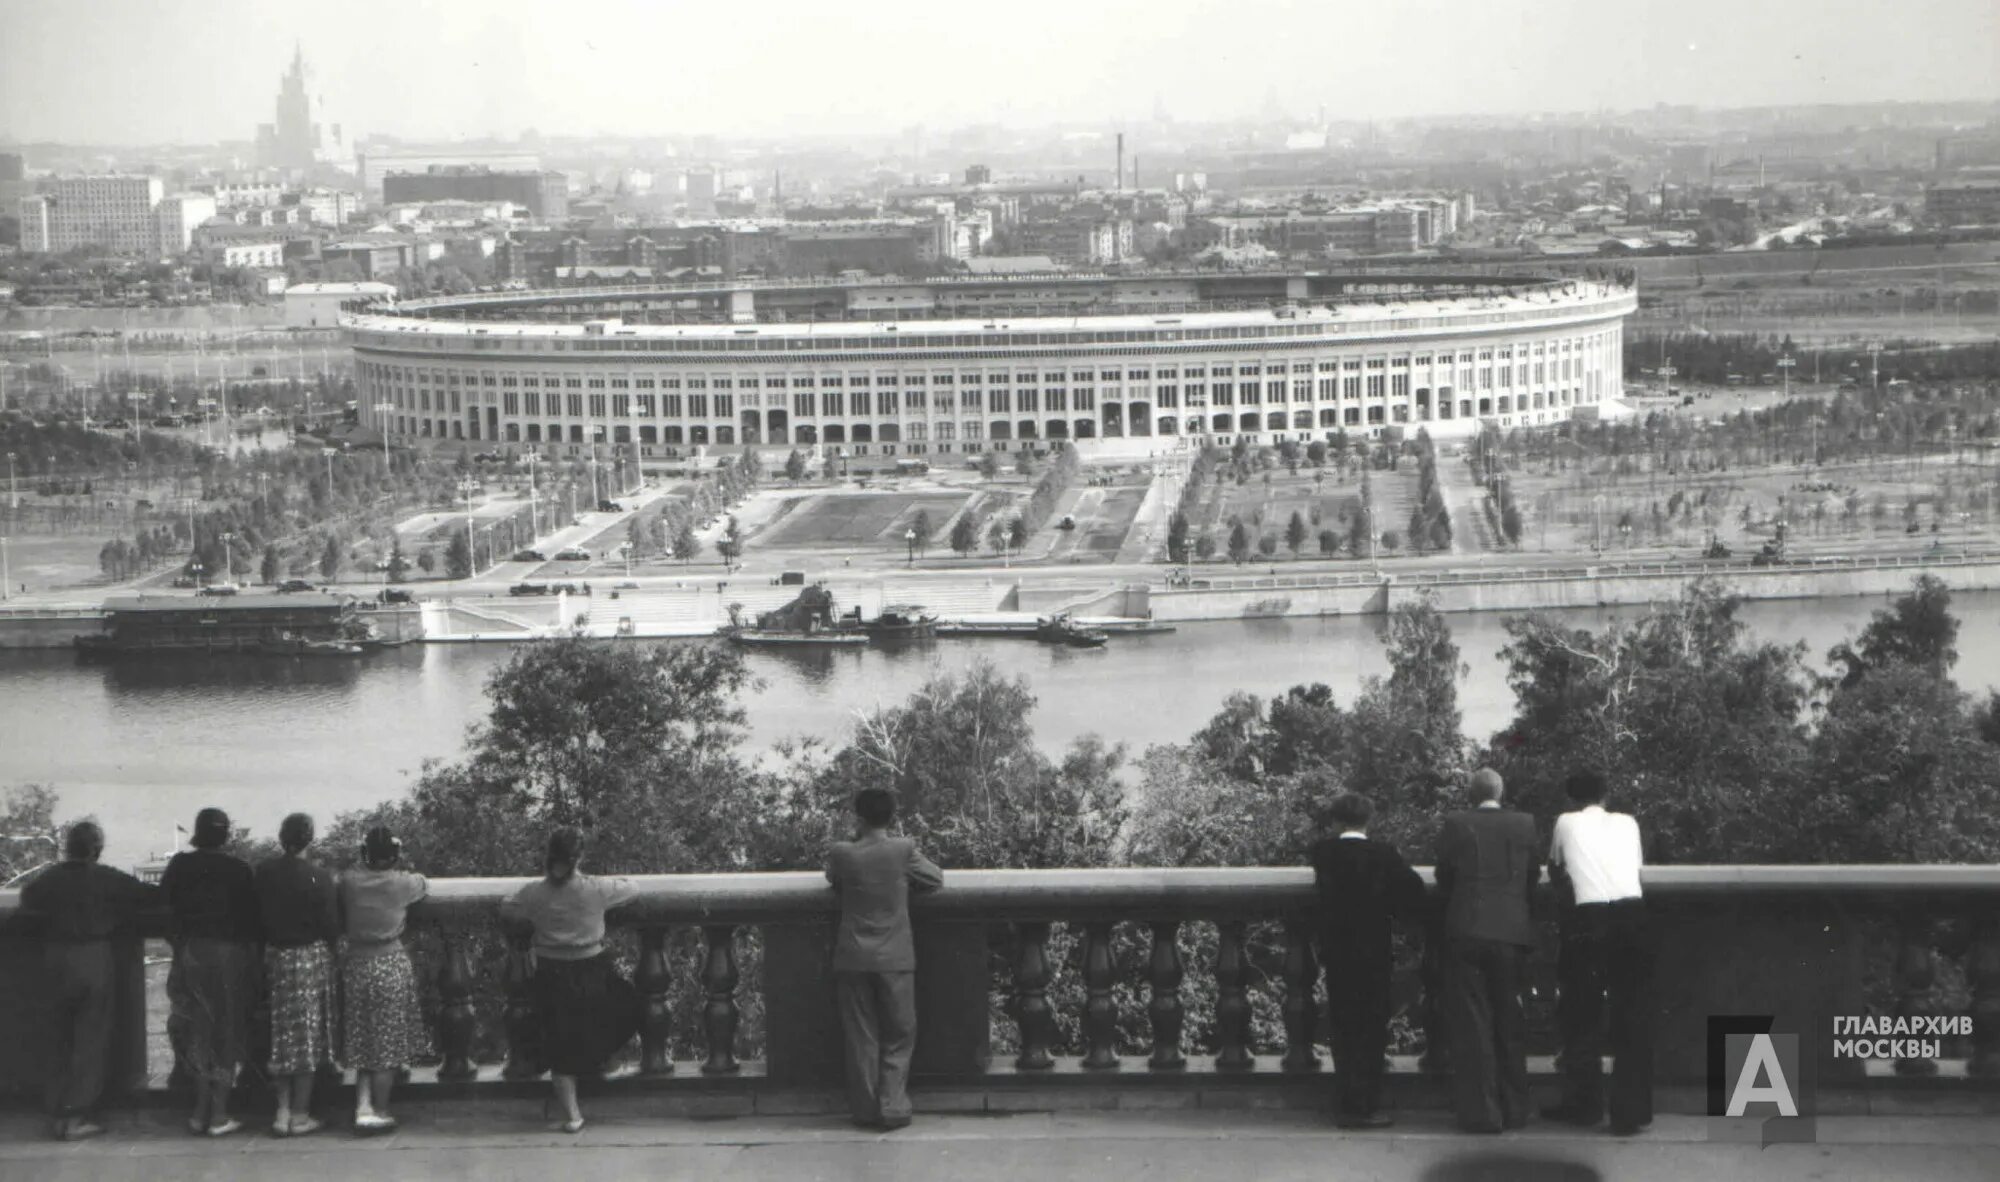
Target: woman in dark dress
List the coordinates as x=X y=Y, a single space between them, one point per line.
x=301 y=919
x=212 y=987
x=587 y=1011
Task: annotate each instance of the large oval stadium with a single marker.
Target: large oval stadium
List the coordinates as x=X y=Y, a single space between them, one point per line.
x=901 y=368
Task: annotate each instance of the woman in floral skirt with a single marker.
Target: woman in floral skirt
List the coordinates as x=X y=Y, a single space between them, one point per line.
x=301 y=919
x=381 y=1027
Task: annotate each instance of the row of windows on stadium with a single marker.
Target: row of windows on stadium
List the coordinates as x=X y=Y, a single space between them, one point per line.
x=838 y=403
x=973 y=430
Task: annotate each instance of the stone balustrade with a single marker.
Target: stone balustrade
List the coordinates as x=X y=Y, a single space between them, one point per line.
x=1807 y=943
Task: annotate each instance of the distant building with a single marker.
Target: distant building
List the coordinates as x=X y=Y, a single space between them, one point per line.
x=229 y=195
x=13 y=167
x=329 y=207
x=318 y=305
x=300 y=137
x=1963 y=203
x=373 y=258
x=375 y=167
x=543 y=194
x=265 y=255
x=701 y=193
x=1372 y=230
x=979 y=174
x=127 y=215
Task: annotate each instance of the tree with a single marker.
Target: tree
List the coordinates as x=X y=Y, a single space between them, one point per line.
x=795 y=466
x=1204 y=546
x=1510 y=522
x=1917 y=629
x=1329 y=542
x=1017 y=535
x=989 y=466
x=1390 y=539
x=964 y=534
x=28 y=811
x=1239 y=543
x=271 y=566
x=921 y=527
x=1267 y=544
x=427 y=559
x=686 y=545
x=1295 y=533
x=399 y=566
x=458 y=557
x=730 y=546
x=1177 y=537
x=330 y=558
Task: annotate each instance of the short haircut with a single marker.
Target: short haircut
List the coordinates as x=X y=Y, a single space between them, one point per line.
x=1585 y=786
x=211 y=829
x=295 y=833
x=1351 y=810
x=1486 y=785
x=84 y=842
x=875 y=806
x=565 y=850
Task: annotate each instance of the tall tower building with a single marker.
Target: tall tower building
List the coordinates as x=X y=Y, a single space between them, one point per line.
x=299 y=138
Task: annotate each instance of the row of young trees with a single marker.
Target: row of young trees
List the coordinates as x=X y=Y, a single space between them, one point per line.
x=1430 y=521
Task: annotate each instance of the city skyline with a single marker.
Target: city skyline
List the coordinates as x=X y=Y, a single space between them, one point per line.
x=452 y=73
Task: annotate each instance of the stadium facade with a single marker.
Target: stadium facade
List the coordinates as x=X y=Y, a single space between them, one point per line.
x=875 y=368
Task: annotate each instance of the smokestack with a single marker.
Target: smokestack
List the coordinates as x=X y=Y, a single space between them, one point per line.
x=1135 y=172
x=1121 y=162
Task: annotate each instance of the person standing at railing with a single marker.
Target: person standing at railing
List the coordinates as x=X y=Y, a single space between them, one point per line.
x=1363 y=884
x=875 y=959
x=77 y=906
x=586 y=1010
x=1606 y=950
x=212 y=987
x=1486 y=870
x=301 y=918
x=381 y=1028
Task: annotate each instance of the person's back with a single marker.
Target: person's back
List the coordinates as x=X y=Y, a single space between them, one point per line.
x=213 y=894
x=75 y=901
x=875 y=960
x=873 y=874
x=1363 y=885
x=1486 y=869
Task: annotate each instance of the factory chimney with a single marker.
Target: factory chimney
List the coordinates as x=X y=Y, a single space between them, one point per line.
x=1120 y=185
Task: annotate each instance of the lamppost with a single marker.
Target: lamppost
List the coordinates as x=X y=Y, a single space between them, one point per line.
x=136 y=398
x=596 y=497
x=382 y=411
x=228 y=558
x=328 y=452
x=195 y=569
x=910 y=537
x=1874 y=367
x=6 y=572
x=534 y=515
x=466 y=488
x=843 y=463
x=1786 y=363
x=13 y=488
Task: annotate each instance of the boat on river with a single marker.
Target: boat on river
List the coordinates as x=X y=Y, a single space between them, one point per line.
x=1063 y=629
x=903 y=621
x=793 y=638
x=290 y=644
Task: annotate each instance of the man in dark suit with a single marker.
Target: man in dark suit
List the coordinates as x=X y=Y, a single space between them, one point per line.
x=874 y=960
x=1486 y=868
x=1363 y=884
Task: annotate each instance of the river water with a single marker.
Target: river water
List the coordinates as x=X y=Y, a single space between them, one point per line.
x=144 y=744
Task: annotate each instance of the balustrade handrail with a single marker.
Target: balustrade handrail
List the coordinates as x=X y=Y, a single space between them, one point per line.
x=1138 y=893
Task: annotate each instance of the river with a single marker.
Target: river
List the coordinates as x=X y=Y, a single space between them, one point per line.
x=144 y=744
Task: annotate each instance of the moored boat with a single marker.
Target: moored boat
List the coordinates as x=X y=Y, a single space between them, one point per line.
x=790 y=638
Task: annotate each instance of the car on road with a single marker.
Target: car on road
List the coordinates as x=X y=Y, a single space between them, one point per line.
x=530 y=589
x=528 y=556
x=573 y=554
x=397 y=595
x=610 y=507
x=292 y=586
x=219 y=589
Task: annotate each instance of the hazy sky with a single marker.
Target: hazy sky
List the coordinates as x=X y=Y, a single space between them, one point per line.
x=195 y=71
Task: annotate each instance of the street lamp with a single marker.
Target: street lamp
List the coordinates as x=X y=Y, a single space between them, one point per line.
x=382 y=411
x=1786 y=363
x=910 y=536
x=195 y=569
x=328 y=452
x=467 y=487
x=228 y=558
x=135 y=398
x=13 y=488
x=6 y=572
x=596 y=497
x=1874 y=367
x=534 y=515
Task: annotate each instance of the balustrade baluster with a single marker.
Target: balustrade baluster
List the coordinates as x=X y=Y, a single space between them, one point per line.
x=1301 y=978
x=1916 y=972
x=524 y=1041
x=1982 y=973
x=1031 y=1000
x=1232 y=1002
x=1164 y=1006
x=718 y=979
x=455 y=1021
x=656 y=1053
x=1100 y=1013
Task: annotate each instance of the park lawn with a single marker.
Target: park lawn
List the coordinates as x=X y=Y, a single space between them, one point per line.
x=1288 y=494
x=43 y=561
x=858 y=519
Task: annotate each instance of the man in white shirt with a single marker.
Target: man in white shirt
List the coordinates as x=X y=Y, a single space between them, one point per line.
x=1606 y=952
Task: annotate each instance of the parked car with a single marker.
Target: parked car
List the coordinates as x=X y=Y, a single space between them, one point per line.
x=610 y=507
x=791 y=578
x=292 y=586
x=184 y=581
x=397 y=595
x=528 y=556
x=219 y=589
x=530 y=589
x=573 y=554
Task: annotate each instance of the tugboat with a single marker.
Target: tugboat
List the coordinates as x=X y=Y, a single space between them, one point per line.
x=805 y=622
x=1061 y=629
x=906 y=621
x=290 y=644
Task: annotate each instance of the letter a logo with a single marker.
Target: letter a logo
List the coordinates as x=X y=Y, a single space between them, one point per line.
x=1761 y=1078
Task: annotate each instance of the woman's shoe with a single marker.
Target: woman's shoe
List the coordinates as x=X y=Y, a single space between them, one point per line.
x=303 y=1126
x=567 y=1126
x=373 y=1123
x=197 y=1126
x=225 y=1128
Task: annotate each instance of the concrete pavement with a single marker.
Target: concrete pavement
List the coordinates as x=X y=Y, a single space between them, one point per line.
x=494 y=1140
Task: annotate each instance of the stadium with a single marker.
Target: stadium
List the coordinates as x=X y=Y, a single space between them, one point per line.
x=1121 y=366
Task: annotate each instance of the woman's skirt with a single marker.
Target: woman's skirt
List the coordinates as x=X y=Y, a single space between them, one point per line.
x=211 y=995
x=302 y=1009
x=381 y=1027
x=588 y=1012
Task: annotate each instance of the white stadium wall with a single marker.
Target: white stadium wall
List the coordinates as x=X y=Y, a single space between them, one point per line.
x=526 y=370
